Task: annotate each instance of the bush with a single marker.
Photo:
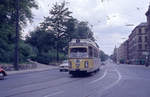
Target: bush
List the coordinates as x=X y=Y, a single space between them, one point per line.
x=48 y=57
x=26 y=52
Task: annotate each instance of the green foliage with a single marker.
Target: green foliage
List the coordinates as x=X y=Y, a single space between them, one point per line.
x=103 y=56
x=83 y=31
x=25 y=52
x=7 y=10
x=42 y=40
x=7 y=28
x=78 y=30
x=49 y=57
x=51 y=38
x=46 y=43
x=55 y=23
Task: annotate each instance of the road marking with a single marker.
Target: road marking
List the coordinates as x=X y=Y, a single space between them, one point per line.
x=116 y=82
x=100 y=78
x=109 y=86
x=53 y=94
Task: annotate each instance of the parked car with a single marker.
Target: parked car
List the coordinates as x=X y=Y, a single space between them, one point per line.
x=64 y=66
x=2 y=73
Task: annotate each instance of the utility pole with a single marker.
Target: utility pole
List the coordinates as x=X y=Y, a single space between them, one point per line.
x=57 y=48
x=16 y=57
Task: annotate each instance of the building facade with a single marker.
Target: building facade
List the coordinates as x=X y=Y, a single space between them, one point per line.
x=138 y=44
x=136 y=50
x=122 y=53
x=148 y=27
x=115 y=55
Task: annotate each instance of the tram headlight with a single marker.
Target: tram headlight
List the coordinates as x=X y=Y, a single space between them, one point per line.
x=86 y=64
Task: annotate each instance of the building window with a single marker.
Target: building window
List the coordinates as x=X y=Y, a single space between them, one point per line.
x=140 y=46
x=140 y=39
x=90 y=52
x=140 y=30
x=95 y=53
x=145 y=46
x=146 y=30
x=145 y=38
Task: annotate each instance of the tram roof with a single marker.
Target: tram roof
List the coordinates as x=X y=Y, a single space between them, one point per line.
x=83 y=42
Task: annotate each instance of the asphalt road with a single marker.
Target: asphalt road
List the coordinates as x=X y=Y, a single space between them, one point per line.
x=111 y=81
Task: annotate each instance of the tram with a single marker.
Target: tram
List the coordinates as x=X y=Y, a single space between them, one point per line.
x=83 y=56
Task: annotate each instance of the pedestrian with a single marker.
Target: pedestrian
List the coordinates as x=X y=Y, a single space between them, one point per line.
x=146 y=64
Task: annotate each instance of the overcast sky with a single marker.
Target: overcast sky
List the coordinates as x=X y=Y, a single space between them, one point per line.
x=108 y=17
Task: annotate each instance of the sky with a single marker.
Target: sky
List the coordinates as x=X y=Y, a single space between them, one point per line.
x=110 y=18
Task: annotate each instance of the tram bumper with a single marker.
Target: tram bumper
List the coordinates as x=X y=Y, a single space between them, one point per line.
x=79 y=71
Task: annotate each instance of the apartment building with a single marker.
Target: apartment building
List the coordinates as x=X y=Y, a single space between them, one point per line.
x=136 y=50
x=138 y=44
x=122 y=54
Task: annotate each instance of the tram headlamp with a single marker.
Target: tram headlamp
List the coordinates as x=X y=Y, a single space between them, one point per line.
x=86 y=64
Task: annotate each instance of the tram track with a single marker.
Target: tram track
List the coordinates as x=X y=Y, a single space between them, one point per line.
x=107 y=86
x=42 y=88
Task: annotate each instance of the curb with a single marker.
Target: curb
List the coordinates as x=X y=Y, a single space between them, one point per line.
x=29 y=70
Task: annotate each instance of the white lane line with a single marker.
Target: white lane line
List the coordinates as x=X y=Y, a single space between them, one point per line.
x=100 y=78
x=116 y=82
x=53 y=94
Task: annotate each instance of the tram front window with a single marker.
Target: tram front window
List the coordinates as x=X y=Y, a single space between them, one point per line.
x=78 y=52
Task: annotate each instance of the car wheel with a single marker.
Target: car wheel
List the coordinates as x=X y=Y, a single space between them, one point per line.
x=1 y=76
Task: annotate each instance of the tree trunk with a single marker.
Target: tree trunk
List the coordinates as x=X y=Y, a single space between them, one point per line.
x=57 y=47
x=16 y=53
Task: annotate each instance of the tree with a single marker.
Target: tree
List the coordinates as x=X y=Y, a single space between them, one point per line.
x=55 y=23
x=52 y=37
x=78 y=30
x=7 y=9
x=7 y=25
x=103 y=56
x=41 y=39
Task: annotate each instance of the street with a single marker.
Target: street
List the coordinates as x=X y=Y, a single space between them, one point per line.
x=111 y=81
x=74 y=48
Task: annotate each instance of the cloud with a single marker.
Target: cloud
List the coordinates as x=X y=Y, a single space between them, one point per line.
x=108 y=17
x=110 y=36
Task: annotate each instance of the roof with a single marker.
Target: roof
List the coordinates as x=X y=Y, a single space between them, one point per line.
x=83 y=42
x=143 y=24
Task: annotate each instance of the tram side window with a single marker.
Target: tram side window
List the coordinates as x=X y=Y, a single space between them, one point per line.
x=95 y=53
x=90 y=52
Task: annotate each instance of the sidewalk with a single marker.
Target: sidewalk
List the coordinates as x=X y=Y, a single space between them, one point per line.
x=40 y=67
x=133 y=65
